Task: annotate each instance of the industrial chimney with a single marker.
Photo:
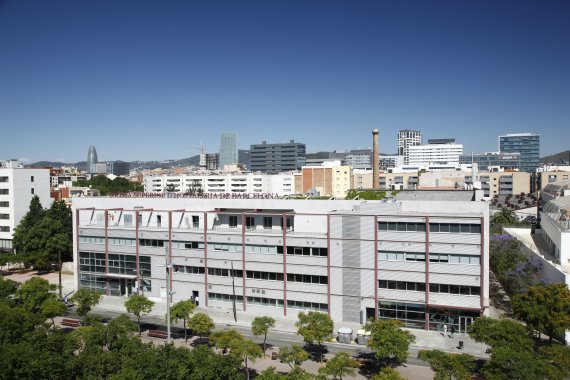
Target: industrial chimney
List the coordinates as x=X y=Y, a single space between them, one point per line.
x=375 y=161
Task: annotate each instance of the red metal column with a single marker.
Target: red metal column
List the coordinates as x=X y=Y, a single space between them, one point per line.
x=482 y=263
x=77 y=245
x=243 y=260
x=376 y=267
x=170 y=252
x=137 y=252
x=106 y=252
x=427 y=273
x=206 y=258
x=329 y=264
x=284 y=228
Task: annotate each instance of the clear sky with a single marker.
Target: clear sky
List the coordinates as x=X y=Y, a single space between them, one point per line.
x=152 y=80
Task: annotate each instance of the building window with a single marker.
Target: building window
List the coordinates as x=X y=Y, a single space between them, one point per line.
x=92 y=239
x=402 y=285
x=32 y=179
x=5 y=216
x=158 y=220
x=188 y=269
x=401 y=226
x=233 y=221
x=224 y=297
x=5 y=204
x=265 y=301
x=187 y=245
x=3 y=179
x=250 y=222
x=195 y=221
x=455 y=228
x=267 y=222
x=4 y=229
x=314 y=306
x=151 y=243
x=455 y=289
x=128 y=220
x=32 y=191
x=4 y=192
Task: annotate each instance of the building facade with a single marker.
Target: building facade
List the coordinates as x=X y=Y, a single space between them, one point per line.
x=406 y=139
x=327 y=180
x=424 y=263
x=277 y=158
x=280 y=184
x=527 y=144
x=17 y=188
x=118 y=168
x=434 y=154
x=91 y=158
x=228 y=149
x=493 y=160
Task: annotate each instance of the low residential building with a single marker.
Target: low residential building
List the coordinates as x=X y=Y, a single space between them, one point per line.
x=331 y=179
x=423 y=261
x=17 y=188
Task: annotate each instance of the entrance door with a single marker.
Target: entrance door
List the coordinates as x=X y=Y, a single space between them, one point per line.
x=196 y=297
x=464 y=323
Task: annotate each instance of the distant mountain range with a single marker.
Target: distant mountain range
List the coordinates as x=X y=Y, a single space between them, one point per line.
x=243 y=156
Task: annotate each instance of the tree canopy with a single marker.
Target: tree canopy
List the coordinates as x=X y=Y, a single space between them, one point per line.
x=85 y=300
x=339 y=365
x=449 y=366
x=544 y=308
x=138 y=304
x=107 y=186
x=202 y=324
x=293 y=356
x=182 y=310
x=389 y=341
x=260 y=326
x=314 y=327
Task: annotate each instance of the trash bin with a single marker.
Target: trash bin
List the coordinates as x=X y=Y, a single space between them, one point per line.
x=460 y=345
x=344 y=335
x=362 y=337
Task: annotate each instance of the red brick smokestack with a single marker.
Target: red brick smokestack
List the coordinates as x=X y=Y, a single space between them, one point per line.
x=375 y=161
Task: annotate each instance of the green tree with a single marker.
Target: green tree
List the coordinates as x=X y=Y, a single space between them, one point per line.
x=545 y=309
x=340 y=365
x=201 y=324
x=449 y=366
x=246 y=350
x=182 y=310
x=314 y=327
x=34 y=215
x=260 y=326
x=224 y=340
x=85 y=300
x=388 y=373
x=294 y=355
x=389 y=341
x=34 y=292
x=119 y=331
x=556 y=359
x=51 y=308
x=500 y=332
x=509 y=362
x=8 y=290
x=138 y=304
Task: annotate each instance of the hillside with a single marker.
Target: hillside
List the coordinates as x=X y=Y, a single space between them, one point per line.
x=558 y=158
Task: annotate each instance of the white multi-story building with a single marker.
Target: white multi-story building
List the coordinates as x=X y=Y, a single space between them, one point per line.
x=280 y=184
x=406 y=139
x=17 y=187
x=435 y=154
x=424 y=262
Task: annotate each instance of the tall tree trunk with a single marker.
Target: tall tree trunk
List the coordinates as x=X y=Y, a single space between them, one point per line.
x=185 y=333
x=246 y=369
x=264 y=340
x=139 y=322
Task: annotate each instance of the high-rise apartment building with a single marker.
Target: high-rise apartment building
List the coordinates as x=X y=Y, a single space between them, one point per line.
x=228 y=149
x=91 y=159
x=277 y=158
x=17 y=188
x=406 y=139
x=527 y=144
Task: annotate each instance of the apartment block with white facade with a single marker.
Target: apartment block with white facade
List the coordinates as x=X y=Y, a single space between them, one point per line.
x=423 y=262
x=17 y=187
x=247 y=183
x=435 y=154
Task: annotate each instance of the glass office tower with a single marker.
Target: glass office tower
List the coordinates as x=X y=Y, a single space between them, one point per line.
x=527 y=144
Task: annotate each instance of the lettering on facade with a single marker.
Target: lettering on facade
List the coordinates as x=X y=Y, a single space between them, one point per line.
x=140 y=194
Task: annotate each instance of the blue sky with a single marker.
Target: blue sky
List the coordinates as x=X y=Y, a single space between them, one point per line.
x=151 y=80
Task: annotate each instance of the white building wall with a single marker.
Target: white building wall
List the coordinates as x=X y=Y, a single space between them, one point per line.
x=435 y=153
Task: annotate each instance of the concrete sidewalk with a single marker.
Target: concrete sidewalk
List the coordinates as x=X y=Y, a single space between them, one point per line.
x=424 y=339
x=223 y=317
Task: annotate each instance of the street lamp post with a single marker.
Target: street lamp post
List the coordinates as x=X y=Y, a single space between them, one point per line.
x=234 y=292
x=169 y=293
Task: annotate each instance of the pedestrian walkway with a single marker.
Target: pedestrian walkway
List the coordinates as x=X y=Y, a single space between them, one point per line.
x=425 y=340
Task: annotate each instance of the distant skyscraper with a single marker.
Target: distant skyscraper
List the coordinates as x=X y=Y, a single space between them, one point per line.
x=91 y=158
x=527 y=144
x=228 y=149
x=407 y=138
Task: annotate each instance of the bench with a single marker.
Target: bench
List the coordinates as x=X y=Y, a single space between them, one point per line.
x=70 y=322
x=157 y=334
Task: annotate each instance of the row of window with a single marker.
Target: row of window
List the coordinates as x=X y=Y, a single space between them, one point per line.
x=269 y=276
x=433 y=257
x=433 y=227
x=188 y=269
x=121 y=241
x=92 y=239
x=433 y=288
x=314 y=306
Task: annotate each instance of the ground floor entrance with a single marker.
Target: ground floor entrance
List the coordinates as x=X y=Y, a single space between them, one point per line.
x=123 y=287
